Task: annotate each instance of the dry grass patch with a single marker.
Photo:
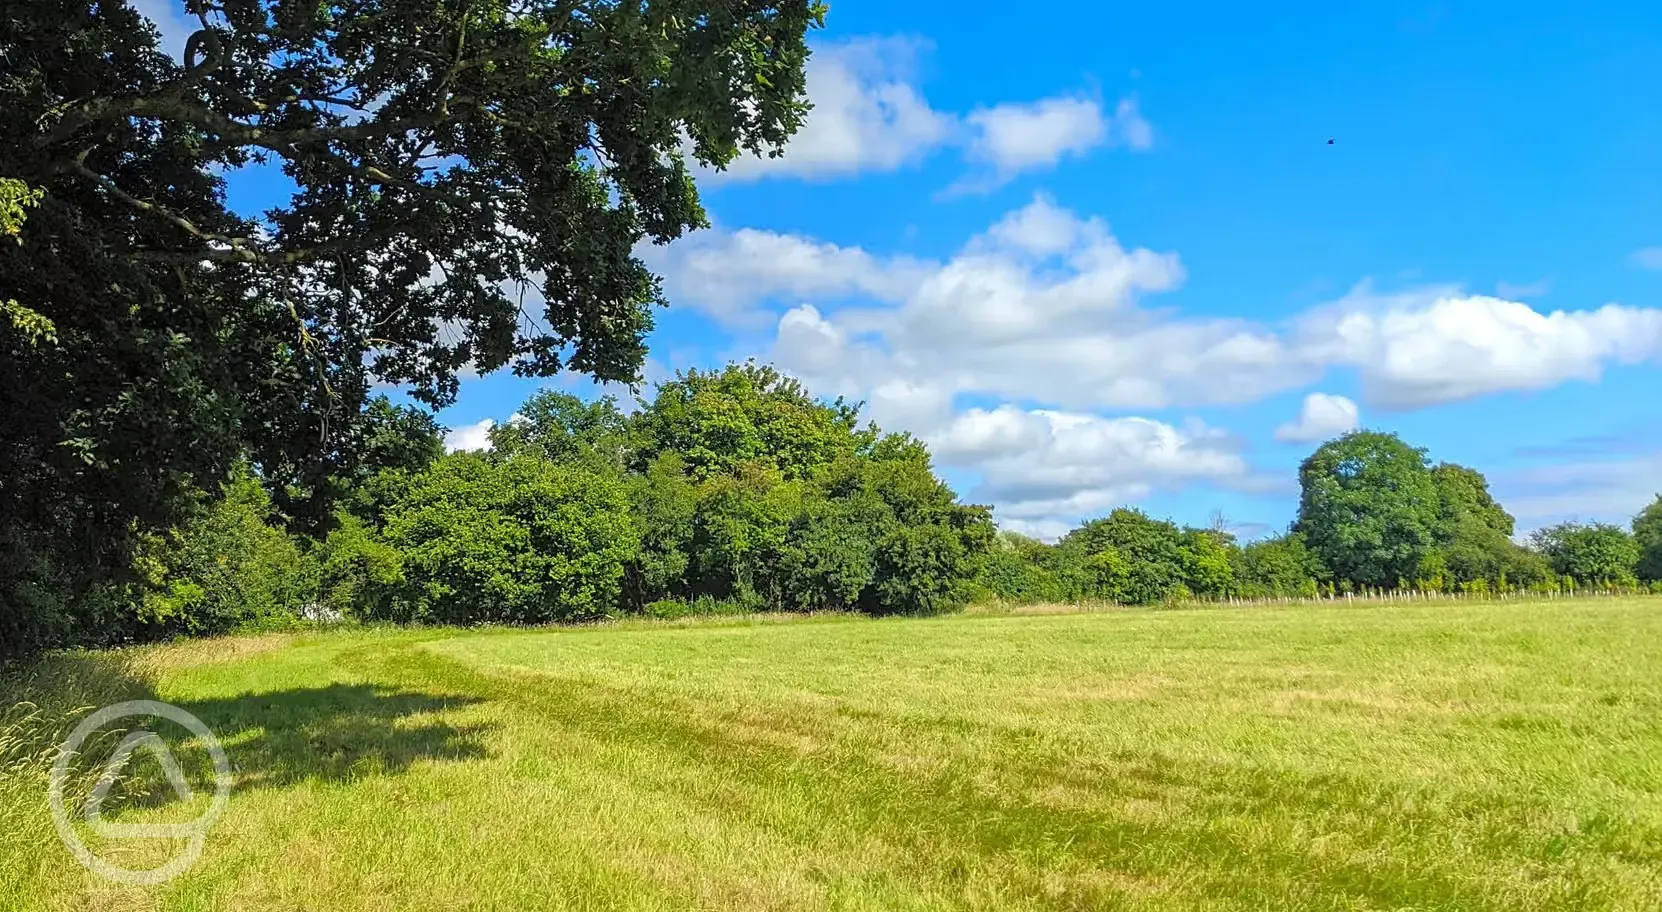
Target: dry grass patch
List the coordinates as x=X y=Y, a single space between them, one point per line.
x=1424 y=756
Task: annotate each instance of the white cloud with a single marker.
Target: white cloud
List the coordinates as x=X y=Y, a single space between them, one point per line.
x=1322 y=416
x=1015 y=137
x=1009 y=139
x=1046 y=309
x=1043 y=466
x=1648 y=258
x=868 y=115
x=476 y=436
x=726 y=274
x=1041 y=306
x=1045 y=306
x=1459 y=347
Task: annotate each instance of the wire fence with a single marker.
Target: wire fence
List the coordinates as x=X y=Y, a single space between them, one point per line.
x=1387 y=596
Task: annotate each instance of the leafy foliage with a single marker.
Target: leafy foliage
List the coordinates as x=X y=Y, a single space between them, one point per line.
x=1279 y=566
x=1463 y=498
x=1590 y=554
x=1647 y=534
x=226 y=568
x=516 y=540
x=471 y=182
x=564 y=428
x=748 y=414
x=1370 y=508
x=1138 y=560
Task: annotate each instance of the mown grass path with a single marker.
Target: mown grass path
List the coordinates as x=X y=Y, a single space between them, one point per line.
x=1426 y=756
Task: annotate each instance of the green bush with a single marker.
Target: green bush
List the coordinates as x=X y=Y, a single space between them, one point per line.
x=1022 y=570
x=226 y=568
x=1131 y=558
x=1276 y=567
x=360 y=572
x=1596 y=554
x=515 y=540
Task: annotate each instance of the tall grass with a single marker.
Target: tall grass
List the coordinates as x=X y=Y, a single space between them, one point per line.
x=40 y=704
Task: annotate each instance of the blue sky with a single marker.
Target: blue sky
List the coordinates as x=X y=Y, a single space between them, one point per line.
x=1107 y=255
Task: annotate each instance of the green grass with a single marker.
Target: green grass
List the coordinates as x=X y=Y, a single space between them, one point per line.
x=1425 y=756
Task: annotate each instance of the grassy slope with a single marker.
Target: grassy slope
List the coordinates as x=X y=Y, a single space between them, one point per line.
x=1407 y=757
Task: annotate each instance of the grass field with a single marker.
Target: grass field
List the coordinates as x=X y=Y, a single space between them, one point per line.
x=1425 y=756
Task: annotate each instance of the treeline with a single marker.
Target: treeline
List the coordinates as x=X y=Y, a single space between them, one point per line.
x=736 y=491
x=732 y=490
x=1374 y=516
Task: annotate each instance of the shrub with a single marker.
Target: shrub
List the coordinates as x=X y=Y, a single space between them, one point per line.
x=516 y=540
x=225 y=568
x=360 y=572
x=1022 y=570
x=1131 y=559
x=1592 y=555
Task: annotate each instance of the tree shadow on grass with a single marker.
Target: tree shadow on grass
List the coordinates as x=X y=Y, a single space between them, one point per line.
x=337 y=733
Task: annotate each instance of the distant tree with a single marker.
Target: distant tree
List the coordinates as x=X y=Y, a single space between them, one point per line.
x=1464 y=493
x=1474 y=551
x=1279 y=566
x=1208 y=562
x=1022 y=570
x=740 y=524
x=564 y=428
x=1475 y=546
x=1591 y=554
x=1647 y=534
x=397 y=437
x=1150 y=551
x=748 y=414
x=360 y=573
x=389 y=439
x=226 y=567
x=1369 y=508
x=663 y=503
x=929 y=548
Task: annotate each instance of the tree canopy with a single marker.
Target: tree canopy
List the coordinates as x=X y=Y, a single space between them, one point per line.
x=1596 y=553
x=469 y=181
x=1369 y=507
x=1647 y=534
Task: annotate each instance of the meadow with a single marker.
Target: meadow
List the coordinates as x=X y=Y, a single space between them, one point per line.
x=1426 y=756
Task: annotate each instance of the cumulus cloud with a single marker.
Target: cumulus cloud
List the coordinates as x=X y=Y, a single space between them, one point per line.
x=1044 y=465
x=475 y=436
x=1048 y=309
x=1041 y=306
x=1009 y=139
x=1322 y=416
x=726 y=274
x=870 y=115
x=1046 y=306
x=1459 y=347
